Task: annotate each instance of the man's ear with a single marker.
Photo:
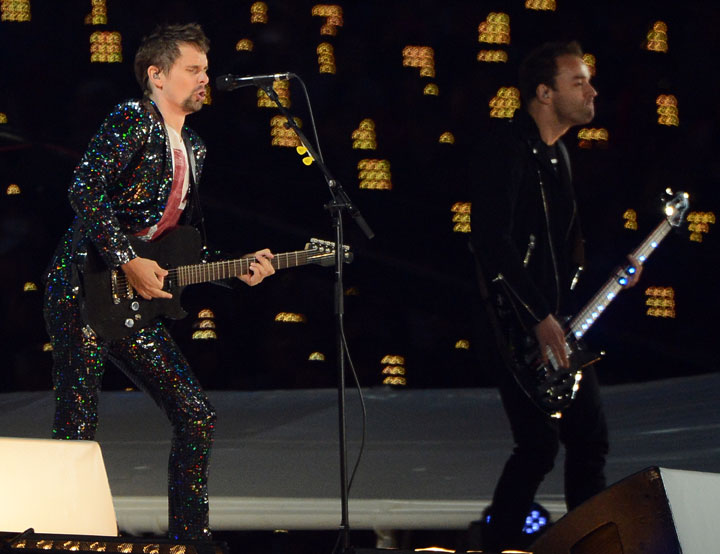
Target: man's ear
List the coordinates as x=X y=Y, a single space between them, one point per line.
x=543 y=93
x=155 y=76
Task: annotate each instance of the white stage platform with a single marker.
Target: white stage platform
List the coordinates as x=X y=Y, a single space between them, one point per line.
x=431 y=460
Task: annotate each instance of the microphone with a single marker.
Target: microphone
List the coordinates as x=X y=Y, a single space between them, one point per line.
x=231 y=82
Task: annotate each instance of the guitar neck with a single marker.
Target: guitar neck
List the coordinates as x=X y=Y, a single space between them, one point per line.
x=216 y=271
x=597 y=305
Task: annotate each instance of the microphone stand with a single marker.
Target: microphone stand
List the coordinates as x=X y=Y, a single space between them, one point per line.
x=339 y=201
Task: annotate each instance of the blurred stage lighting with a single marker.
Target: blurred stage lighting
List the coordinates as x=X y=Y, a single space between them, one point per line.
x=326 y=58
x=364 y=138
x=98 y=13
x=333 y=15
x=630 y=218
x=422 y=57
x=660 y=302
x=106 y=47
x=495 y=29
x=657 y=38
x=259 y=12
x=374 y=174
x=15 y=10
x=505 y=102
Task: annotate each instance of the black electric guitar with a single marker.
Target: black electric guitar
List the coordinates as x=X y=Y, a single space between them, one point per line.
x=551 y=387
x=113 y=310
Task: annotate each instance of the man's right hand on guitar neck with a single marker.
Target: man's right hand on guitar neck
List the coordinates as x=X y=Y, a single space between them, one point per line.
x=146 y=277
x=549 y=333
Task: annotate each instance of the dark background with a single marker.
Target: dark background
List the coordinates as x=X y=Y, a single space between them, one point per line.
x=414 y=288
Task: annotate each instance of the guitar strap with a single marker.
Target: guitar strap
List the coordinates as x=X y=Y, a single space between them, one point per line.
x=196 y=196
x=486 y=299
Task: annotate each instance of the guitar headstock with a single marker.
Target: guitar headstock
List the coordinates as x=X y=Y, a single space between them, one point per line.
x=676 y=205
x=324 y=252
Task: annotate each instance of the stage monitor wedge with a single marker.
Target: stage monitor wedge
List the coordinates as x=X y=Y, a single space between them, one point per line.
x=655 y=511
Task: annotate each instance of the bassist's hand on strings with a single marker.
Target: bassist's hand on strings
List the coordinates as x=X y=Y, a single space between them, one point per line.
x=549 y=333
x=146 y=277
x=260 y=268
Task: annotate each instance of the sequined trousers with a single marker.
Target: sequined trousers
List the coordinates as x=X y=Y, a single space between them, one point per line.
x=154 y=363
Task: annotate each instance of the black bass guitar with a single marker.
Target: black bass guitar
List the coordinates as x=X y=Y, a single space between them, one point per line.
x=552 y=387
x=113 y=310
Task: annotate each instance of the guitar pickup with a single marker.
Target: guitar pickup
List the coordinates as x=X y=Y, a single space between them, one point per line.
x=120 y=287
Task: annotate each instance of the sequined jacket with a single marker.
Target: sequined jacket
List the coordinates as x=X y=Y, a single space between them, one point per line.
x=122 y=184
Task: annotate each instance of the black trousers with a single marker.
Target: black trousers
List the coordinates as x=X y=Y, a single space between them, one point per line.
x=582 y=430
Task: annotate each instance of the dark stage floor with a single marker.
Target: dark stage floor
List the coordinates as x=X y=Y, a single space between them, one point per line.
x=431 y=459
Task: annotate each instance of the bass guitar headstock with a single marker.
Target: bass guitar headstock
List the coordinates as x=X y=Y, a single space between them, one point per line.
x=676 y=205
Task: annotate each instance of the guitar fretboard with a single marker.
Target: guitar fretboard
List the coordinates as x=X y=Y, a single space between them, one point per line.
x=597 y=305
x=215 y=271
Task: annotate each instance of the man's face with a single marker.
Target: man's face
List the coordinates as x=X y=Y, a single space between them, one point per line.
x=183 y=86
x=573 y=97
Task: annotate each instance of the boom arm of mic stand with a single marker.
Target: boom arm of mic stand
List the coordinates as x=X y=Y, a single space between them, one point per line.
x=340 y=197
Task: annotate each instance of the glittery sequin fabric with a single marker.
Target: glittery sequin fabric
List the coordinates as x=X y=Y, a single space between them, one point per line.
x=120 y=186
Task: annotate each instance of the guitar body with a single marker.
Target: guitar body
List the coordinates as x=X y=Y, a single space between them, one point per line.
x=112 y=309
x=552 y=388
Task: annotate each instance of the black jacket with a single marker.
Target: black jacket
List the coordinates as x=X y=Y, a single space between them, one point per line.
x=524 y=210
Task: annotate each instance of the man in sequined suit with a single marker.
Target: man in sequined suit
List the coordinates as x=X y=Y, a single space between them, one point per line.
x=137 y=178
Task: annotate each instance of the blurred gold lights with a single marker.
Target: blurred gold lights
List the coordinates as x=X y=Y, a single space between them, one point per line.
x=259 y=12
x=106 y=47
x=447 y=138
x=244 y=45
x=630 y=218
x=393 y=373
x=281 y=134
x=316 y=357
x=541 y=5
x=15 y=10
x=657 y=37
x=462 y=344
x=591 y=63
x=668 y=110
x=333 y=15
x=290 y=317
x=326 y=58
x=495 y=29
x=461 y=217
x=374 y=174
x=363 y=138
x=492 y=56
x=699 y=224
x=204 y=326
x=282 y=89
x=660 y=302
x=422 y=57
x=30 y=287
x=589 y=136
x=3 y=118
x=12 y=190
x=431 y=89
x=505 y=102
x=98 y=13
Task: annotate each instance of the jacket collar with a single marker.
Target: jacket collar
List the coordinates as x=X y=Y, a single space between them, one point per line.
x=530 y=134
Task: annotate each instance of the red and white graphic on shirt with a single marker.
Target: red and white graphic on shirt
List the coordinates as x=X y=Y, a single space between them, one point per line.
x=176 y=201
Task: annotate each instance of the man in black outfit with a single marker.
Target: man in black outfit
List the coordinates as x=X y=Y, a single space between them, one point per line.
x=525 y=227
